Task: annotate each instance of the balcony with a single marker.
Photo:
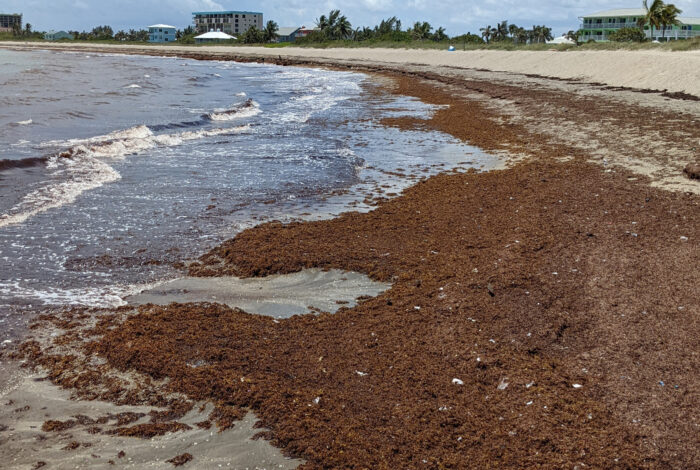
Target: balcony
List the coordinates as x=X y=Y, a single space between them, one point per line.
x=668 y=34
x=604 y=25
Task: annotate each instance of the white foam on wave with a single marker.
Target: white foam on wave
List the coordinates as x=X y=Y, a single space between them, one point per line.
x=81 y=168
x=133 y=85
x=25 y=123
x=245 y=111
x=76 y=175
x=103 y=297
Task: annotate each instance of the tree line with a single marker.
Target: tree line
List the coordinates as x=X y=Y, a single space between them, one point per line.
x=336 y=27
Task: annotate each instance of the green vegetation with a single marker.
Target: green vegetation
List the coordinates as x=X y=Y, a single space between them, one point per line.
x=659 y=15
x=335 y=30
x=627 y=35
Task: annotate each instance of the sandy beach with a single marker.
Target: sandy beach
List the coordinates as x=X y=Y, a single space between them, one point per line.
x=539 y=315
x=655 y=70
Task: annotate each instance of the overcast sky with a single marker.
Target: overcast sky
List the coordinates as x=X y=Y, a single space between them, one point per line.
x=457 y=16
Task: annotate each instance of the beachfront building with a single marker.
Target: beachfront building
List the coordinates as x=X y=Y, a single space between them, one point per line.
x=287 y=34
x=58 y=35
x=598 y=26
x=162 y=33
x=304 y=31
x=229 y=22
x=212 y=36
x=8 y=22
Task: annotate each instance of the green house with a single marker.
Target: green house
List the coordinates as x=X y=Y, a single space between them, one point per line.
x=57 y=35
x=598 y=26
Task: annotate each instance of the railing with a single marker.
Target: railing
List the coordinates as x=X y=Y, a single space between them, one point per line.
x=604 y=25
x=668 y=34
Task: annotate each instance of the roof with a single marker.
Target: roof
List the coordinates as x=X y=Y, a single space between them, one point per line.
x=214 y=35
x=162 y=26
x=226 y=12
x=561 y=40
x=618 y=12
x=287 y=31
x=689 y=20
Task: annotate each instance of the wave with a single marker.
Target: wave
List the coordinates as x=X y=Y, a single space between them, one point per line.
x=133 y=85
x=8 y=164
x=25 y=123
x=249 y=108
x=78 y=173
x=81 y=167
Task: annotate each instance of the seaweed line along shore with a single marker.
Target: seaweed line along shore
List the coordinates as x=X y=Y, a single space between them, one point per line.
x=538 y=313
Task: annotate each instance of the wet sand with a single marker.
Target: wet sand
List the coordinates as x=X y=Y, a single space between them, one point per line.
x=543 y=315
x=24 y=444
x=281 y=296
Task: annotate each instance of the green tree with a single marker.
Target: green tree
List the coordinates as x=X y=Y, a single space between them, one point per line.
x=573 y=35
x=253 y=36
x=440 y=35
x=270 y=31
x=669 y=17
x=28 y=29
x=335 y=26
x=422 y=30
x=652 y=15
x=102 y=32
x=501 y=31
x=627 y=35
x=486 y=33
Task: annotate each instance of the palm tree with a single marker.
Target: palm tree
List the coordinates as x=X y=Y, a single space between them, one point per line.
x=668 y=17
x=439 y=34
x=501 y=30
x=270 y=31
x=422 y=30
x=652 y=16
x=28 y=29
x=343 y=28
x=486 y=33
x=335 y=26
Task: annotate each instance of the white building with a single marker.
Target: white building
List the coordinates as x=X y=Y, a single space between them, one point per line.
x=212 y=36
x=230 y=22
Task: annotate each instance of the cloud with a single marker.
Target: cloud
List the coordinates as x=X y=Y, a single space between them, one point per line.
x=458 y=16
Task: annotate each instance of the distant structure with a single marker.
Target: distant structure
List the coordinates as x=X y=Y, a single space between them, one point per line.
x=287 y=34
x=230 y=22
x=598 y=26
x=161 y=33
x=57 y=35
x=212 y=36
x=304 y=31
x=8 y=22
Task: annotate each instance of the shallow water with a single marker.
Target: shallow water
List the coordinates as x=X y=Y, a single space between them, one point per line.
x=112 y=167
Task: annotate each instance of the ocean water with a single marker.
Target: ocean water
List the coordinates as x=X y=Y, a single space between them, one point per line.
x=114 y=167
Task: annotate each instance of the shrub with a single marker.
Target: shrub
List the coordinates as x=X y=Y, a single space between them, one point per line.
x=627 y=35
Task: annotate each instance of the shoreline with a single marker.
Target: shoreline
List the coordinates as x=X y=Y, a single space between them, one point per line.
x=653 y=70
x=522 y=283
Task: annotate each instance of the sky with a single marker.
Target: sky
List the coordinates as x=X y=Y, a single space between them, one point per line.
x=456 y=16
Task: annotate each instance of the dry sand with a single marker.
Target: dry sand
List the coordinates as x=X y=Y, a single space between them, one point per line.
x=658 y=70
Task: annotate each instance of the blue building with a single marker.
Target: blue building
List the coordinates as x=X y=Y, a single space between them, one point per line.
x=287 y=34
x=161 y=33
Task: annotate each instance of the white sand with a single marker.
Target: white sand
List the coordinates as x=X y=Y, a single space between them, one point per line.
x=659 y=70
